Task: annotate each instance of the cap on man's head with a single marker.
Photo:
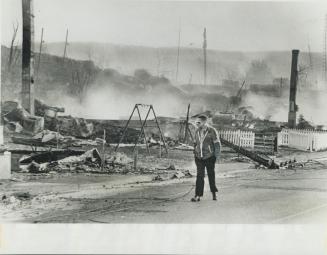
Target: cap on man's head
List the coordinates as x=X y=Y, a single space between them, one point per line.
x=202 y=117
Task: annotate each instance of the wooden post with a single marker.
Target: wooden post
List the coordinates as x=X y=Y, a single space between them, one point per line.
x=180 y=133
x=103 y=149
x=142 y=129
x=28 y=56
x=186 y=123
x=146 y=142
x=125 y=129
x=161 y=135
x=239 y=142
x=135 y=158
x=57 y=137
x=160 y=150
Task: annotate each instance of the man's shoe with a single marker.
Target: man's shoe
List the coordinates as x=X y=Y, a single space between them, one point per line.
x=214 y=197
x=195 y=199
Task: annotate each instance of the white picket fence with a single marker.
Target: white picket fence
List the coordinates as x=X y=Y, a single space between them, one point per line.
x=303 y=139
x=238 y=137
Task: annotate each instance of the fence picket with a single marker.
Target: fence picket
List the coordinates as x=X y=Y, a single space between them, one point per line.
x=311 y=140
x=238 y=137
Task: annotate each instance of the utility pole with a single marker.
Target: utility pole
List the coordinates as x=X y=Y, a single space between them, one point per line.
x=310 y=58
x=280 y=86
x=66 y=43
x=178 y=48
x=325 y=53
x=293 y=108
x=39 y=58
x=205 y=56
x=28 y=56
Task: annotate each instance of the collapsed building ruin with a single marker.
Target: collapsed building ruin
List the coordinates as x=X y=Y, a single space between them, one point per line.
x=37 y=124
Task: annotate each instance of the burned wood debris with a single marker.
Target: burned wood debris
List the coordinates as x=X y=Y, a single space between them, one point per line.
x=256 y=157
x=47 y=127
x=72 y=161
x=64 y=134
x=18 y=120
x=73 y=144
x=90 y=145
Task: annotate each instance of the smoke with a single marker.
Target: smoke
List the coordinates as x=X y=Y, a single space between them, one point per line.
x=266 y=107
x=312 y=105
x=115 y=99
x=108 y=102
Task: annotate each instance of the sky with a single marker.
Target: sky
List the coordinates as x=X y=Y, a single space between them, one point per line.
x=231 y=26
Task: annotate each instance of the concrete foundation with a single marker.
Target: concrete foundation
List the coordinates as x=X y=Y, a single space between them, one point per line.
x=5 y=165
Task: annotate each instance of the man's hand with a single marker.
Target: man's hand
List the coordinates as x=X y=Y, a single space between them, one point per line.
x=217 y=150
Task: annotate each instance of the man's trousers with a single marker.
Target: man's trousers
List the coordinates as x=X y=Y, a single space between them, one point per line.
x=201 y=164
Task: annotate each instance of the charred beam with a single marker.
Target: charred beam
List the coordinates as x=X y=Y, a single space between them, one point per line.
x=251 y=155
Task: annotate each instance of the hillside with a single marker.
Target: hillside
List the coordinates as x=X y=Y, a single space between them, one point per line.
x=221 y=64
x=88 y=91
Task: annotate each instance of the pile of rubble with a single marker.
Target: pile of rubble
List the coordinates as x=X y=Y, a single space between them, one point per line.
x=118 y=158
x=45 y=138
x=113 y=132
x=75 y=161
x=45 y=128
x=18 y=120
x=179 y=174
x=67 y=161
x=23 y=126
x=92 y=162
x=49 y=130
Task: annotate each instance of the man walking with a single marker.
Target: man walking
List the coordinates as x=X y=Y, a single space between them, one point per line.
x=206 y=151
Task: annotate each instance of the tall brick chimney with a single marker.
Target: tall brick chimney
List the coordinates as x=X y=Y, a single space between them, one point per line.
x=293 y=86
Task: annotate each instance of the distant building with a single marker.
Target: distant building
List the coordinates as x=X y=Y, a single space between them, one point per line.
x=283 y=82
x=230 y=83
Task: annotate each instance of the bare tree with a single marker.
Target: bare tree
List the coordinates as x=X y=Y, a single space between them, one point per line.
x=81 y=79
x=13 y=49
x=39 y=56
x=15 y=56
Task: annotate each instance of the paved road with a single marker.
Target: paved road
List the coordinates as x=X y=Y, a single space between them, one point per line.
x=250 y=196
